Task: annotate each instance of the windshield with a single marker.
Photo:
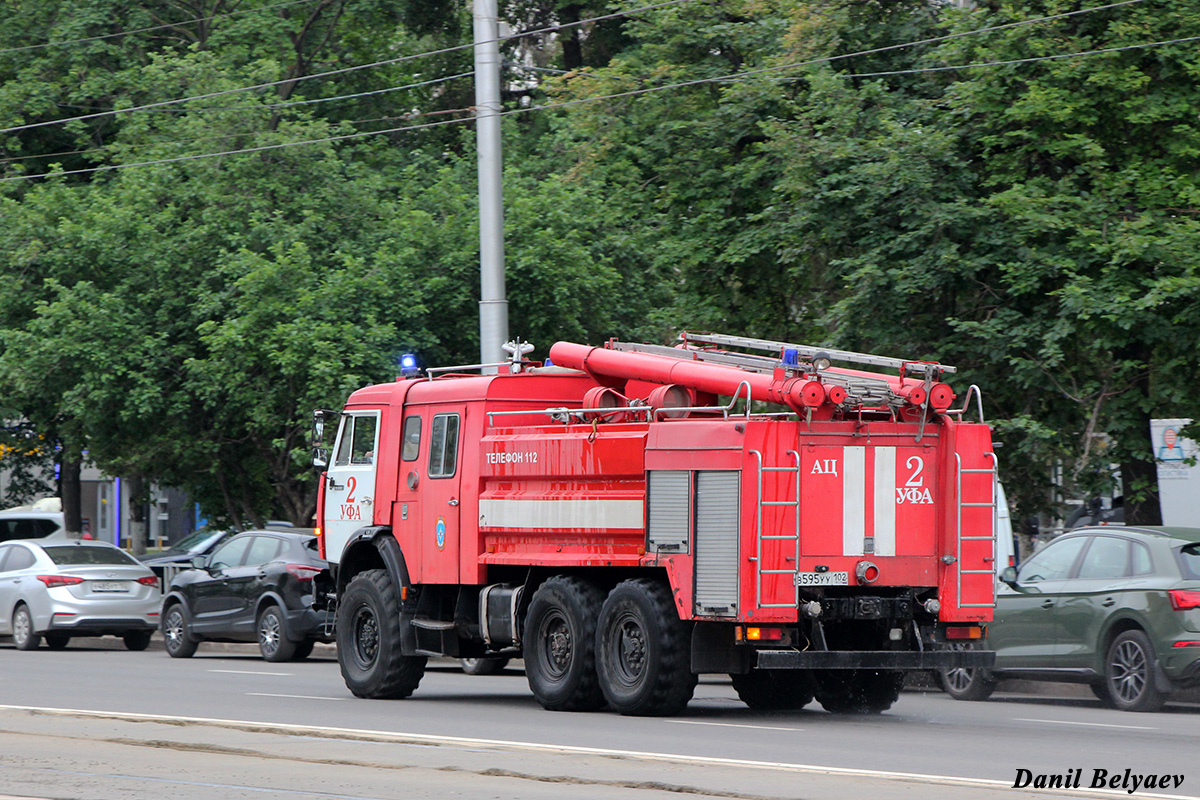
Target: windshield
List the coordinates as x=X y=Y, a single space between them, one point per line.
x=197 y=540
x=75 y=554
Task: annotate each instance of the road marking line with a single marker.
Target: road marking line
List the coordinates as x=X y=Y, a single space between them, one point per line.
x=251 y=672
x=729 y=725
x=294 y=696
x=289 y=729
x=1089 y=724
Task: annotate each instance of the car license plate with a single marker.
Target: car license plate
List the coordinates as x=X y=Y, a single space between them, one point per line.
x=110 y=586
x=823 y=579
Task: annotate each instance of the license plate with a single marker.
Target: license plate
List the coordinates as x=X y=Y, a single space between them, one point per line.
x=823 y=579
x=110 y=586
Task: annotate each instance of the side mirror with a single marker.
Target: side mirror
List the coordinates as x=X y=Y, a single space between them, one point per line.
x=1009 y=576
x=320 y=455
x=199 y=562
x=320 y=458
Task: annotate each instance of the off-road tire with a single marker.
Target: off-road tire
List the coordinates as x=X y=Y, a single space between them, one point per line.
x=858 y=691
x=368 y=638
x=271 y=631
x=1129 y=673
x=643 y=651
x=178 y=640
x=775 y=689
x=560 y=644
x=489 y=665
x=57 y=641
x=24 y=636
x=136 y=641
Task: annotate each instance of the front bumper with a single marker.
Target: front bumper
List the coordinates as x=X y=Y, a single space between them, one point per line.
x=875 y=659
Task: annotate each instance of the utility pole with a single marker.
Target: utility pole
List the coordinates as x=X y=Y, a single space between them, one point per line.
x=493 y=303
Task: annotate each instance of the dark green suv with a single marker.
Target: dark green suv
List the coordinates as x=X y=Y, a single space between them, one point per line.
x=1117 y=608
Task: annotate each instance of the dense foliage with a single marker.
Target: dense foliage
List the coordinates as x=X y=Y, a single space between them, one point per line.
x=968 y=198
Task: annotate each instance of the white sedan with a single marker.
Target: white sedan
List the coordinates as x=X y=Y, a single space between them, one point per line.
x=60 y=589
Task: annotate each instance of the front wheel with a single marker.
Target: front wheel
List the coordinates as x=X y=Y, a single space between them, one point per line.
x=57 y=641
x=643 y=649
x=368 y=638
x=178 y=641
x=24 y=637
x=272 y=636
x=1129 y=673
x=967 y=683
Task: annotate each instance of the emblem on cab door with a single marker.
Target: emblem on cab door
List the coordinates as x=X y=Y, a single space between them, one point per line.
x=441 y=533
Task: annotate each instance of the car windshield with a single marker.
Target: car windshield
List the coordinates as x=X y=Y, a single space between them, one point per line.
x=74 y=554
x=197 y=540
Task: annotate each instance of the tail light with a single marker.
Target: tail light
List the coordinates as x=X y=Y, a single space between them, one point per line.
x=59 y=580
x=303 y=572
x=964 y=632
x=1184 y=598
x=149 y=580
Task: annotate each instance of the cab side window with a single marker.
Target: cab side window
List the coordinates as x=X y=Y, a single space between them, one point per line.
x=412 y=438
x=443 y=445
x=357 y=442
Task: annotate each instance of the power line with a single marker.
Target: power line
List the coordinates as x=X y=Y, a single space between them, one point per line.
x=648 y=90
x=151 y=28
x=344 y=70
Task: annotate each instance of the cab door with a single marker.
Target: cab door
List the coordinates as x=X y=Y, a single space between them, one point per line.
x=438 y=538
x=350 y=481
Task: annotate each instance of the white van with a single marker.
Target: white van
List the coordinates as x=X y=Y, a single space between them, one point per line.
x=42 y=520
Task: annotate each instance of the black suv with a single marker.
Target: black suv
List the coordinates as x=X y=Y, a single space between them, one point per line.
x=257 y=586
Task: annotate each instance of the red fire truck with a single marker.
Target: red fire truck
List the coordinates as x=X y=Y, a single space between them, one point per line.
x=627 y=517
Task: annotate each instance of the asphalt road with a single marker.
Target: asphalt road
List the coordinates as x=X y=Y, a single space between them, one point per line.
x=96 y=722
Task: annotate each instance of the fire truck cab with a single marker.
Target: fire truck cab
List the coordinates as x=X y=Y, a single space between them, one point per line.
x=626 y=518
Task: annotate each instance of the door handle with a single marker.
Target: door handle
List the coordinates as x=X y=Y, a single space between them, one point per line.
x=453 y=502
x=1108 y=601
x=1047 y=604
x=334 y=485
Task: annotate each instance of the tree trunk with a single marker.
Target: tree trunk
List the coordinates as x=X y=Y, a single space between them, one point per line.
x=72 y=498
x=136 y=486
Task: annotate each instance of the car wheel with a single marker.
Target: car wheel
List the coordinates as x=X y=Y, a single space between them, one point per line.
x=272 y=636
x=1129 y=673
x=1103 y=694
x=137 y=640
x=774 y=689
x=57 y=641
x=24 y=637
x=303 y=649
x=966 y=683
x=560 y=650
x=175 y=633
x=484 y=666
x=368 y=637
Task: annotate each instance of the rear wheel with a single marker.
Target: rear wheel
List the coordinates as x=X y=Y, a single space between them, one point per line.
x=368 y=637
x=303 y=649
x=24 y=636
x=560 y=654
x=775 y=689
x=643 y=653
x=272 y=636
x=858 y=691
x=484 y=666
x=137 y=640
x=1129 y=673
x=175 y=633
x=57 y=641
